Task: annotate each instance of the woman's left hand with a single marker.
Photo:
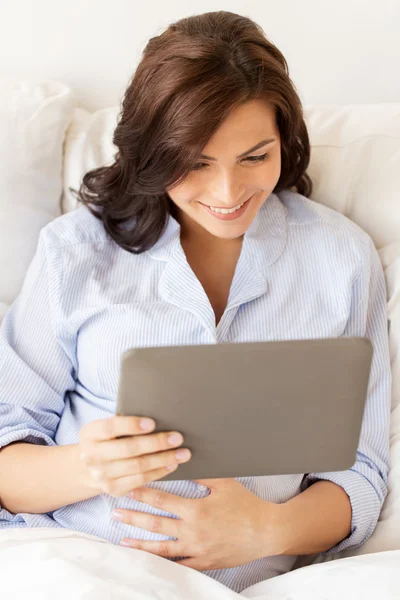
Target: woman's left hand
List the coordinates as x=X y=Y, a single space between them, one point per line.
x=230 y=527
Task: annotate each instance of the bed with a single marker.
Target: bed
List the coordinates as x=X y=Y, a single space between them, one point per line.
x=355 y=168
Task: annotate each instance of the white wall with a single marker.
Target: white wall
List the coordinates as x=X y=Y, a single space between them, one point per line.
x=347 y=51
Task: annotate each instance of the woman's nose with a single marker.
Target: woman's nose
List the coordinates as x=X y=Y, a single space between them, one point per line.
x=226 y=191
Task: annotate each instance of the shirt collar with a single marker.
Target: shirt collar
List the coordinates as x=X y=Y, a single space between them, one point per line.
x=263 y=243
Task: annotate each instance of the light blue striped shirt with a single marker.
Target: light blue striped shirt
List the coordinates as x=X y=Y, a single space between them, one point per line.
x=305 y=271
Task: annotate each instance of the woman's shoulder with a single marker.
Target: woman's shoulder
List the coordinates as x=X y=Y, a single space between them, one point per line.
x=75 y=227
x=324 y=222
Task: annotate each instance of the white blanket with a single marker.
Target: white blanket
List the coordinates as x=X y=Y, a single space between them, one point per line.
x=62 y=564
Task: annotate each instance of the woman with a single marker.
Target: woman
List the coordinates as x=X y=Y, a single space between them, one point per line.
x=194 y=235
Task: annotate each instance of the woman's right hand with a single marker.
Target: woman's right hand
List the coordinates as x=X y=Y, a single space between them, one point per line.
x=117 y=466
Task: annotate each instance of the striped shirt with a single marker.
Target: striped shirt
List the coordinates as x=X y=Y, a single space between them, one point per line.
x=305 y=271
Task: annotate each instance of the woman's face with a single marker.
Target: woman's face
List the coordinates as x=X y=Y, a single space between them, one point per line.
x=223 y=180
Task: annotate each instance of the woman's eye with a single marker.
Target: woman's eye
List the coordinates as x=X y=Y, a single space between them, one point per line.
x=251 y=159
x=257 y=158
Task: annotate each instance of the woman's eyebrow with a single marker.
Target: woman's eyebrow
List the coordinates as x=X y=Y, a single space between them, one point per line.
x=256 y=147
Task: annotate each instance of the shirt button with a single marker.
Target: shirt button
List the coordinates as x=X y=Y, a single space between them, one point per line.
x=202 y=488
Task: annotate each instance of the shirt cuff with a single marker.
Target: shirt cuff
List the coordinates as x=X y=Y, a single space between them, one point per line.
x=365 y=505
x=8 y=519
x=28 y=435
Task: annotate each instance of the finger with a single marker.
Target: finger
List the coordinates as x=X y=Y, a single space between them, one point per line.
x=137 y=445
x=159 y=499
x=107 y=429
x=164 y=548
x=165 y=525
x=140 y=464
x=119 y=487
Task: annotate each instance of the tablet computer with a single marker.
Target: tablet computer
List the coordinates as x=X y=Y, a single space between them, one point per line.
x=253 y=409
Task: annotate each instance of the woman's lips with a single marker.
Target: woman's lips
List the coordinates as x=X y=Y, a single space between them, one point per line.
x=231 y=216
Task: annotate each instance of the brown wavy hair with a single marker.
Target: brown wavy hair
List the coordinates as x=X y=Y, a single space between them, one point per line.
x=189 y=79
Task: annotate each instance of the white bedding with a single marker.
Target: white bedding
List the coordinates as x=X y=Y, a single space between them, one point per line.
x=40 y=564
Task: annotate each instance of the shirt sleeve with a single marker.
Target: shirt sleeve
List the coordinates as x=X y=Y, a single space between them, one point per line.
x=35 y=370
x=366 y=481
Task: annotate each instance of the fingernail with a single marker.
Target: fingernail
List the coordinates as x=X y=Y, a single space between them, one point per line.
x=146 y=424
x=175 y=438
x=125 y=543
x=117 y=514
x=182 y=454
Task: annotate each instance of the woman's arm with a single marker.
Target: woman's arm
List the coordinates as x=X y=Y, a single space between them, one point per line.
x=313 y=521
x=40 y=479
x=36 y=475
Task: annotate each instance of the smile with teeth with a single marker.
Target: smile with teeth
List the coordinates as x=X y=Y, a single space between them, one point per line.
x=226 y=211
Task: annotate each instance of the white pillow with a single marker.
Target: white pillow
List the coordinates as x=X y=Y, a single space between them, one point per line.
x=355 y=169
x=355 y=164
x=33 y=120
x=88 y=144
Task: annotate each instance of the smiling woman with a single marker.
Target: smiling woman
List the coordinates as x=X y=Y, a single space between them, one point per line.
x=192 y=236
x=207 y=88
